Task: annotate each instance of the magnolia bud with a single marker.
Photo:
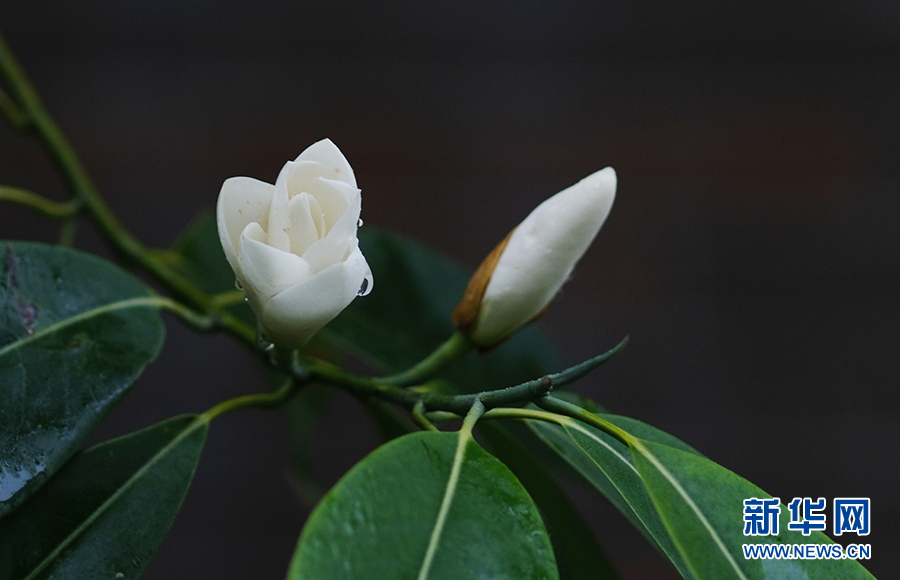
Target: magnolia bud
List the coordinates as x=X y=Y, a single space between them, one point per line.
x=519 y=278
x=293 y=245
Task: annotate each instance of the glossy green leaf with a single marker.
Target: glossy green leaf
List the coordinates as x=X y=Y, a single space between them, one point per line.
x=75 y=332
x=198 y=255
x=606 y=463
x=383 y=519
x=106 y=512
x=701 y=504
x=578 y=554
x=407 y=315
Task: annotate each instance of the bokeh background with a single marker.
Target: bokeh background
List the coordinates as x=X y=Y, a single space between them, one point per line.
x=753 y=252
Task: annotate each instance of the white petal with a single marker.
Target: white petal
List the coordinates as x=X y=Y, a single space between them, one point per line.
x=339 y=241
x=267 y=270
x=242 y=200
x=305 y=229
x=327 y=153
x=541 y=254
x=279 y=212
x=295 y=314
x=330 y=194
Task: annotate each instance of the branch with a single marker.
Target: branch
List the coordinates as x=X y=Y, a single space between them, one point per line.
x=428 y=401
x=53 y=209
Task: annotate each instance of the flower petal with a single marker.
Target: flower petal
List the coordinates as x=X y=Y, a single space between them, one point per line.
x=327 y=153
x=242 y=201
x=267 y=270
x=339 y=241
x=331 y=195
x=279 y=212
x=295 y=314
x=307 y=222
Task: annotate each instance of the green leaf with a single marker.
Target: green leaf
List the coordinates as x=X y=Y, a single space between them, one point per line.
x=606 y=463
x=701 y=504
x=383 y=518
x=106 y=512
x=578 y=554
x=75 y=332
x=407 y=316
x=197 y=254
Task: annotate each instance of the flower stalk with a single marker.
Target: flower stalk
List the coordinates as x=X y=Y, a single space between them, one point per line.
x=452 y=350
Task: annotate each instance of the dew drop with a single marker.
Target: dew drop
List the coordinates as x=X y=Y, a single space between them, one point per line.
x=237 y=284
x=359 y=223
x=366 y=286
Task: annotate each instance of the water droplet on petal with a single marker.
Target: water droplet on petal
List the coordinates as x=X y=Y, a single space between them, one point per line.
x=237 y=284
x=366 y=286
x=359 y=223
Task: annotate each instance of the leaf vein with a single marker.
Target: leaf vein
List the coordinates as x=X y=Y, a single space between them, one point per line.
x=694 y=507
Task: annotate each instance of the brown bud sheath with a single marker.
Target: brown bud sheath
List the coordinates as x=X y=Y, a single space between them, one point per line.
x=466 y=312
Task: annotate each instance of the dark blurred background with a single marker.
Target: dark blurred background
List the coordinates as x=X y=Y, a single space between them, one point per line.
x=753 y=252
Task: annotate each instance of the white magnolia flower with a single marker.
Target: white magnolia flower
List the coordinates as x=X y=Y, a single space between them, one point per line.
x=293 y=245
x=519 y=278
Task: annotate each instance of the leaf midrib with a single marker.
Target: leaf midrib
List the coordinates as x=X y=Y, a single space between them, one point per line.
x=143 y=301
x=693 y=506
x=198 y=421
x=465 y=434
x=569 y=423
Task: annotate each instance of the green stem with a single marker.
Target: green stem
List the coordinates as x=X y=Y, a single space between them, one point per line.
x=227 y=298
x=203 y=321
x=418 y=415
x=475 y=413
x=273 y=399
x=192 y=318
x=39 y=203
x=460 y=404
x=520 y=413
x=563 y=408
x=453 y=349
